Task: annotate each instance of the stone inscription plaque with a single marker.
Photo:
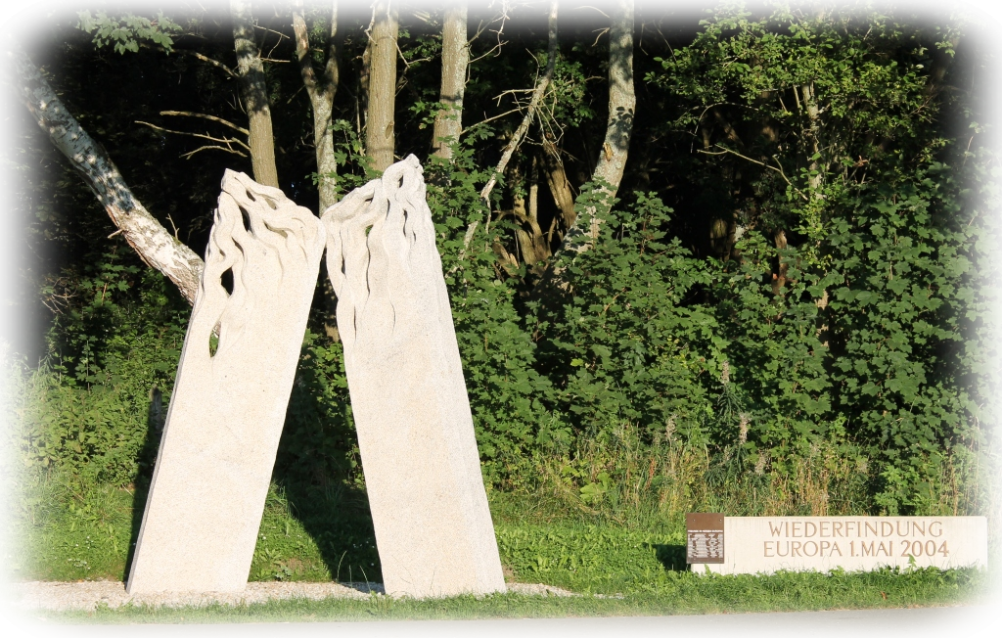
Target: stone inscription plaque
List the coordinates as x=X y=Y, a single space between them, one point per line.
x=762 y=544
x=704 y=538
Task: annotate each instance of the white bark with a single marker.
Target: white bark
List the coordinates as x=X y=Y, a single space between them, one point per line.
x=455 y=60
x=157 y=247
x=622 y=99
x=321 y=91
x=622 y=105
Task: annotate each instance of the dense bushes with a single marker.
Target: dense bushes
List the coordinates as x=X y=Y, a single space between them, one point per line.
x=880 y=344
x=900 y=289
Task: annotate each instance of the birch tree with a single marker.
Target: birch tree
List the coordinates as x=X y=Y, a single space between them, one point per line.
x=612 y=157
x=455 y=61
x=622 y=100
x=321 y=90
x=151 y=241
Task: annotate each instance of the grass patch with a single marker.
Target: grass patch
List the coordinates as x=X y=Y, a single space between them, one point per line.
x=636 y=567
x=626 y=541
x=70 y=531
x=678 y=593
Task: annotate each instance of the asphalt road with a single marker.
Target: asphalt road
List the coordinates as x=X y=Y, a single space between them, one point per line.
x=947 y=622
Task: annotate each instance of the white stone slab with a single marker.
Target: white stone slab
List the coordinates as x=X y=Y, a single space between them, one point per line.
x=226 y=414
x=762 y=544
x=412 y=414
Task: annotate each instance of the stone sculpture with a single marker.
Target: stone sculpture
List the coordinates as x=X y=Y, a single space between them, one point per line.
x=230 y=397
x=415 y=431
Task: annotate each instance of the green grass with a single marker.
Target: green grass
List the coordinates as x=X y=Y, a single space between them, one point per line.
x=680 y=593
x=73 y=532
x=635 y=565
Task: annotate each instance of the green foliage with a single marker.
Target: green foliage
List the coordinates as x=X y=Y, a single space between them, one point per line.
x=496 y=347
x=96 y=434
x=624 y=346
x=899 y=295
x=318 y=445
x=776 y=359
x=119 y=27
x=789 y=310
x=125 y=32
x=115 y=345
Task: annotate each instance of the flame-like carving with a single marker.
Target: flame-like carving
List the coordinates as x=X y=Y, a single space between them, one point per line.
x=415 y=431
x=227 y=410
x=279 y=231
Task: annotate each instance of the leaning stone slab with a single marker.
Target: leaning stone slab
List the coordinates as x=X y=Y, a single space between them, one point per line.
x=764 y=545
x=230 y=397
x=412 y=414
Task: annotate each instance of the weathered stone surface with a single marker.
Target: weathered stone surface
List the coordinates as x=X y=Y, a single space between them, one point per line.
x=226 y=413
x=412 y=414
x=767 y=544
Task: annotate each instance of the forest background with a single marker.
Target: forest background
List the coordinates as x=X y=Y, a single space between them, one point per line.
x=727 y=257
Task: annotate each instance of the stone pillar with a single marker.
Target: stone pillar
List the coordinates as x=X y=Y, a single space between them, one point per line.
x=226 y=413
x=412 y=414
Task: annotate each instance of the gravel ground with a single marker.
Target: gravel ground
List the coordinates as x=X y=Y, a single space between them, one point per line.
x=87 y=595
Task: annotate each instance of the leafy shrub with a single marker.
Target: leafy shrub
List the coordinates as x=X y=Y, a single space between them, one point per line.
x=111 y=353
x=646 y=336
x=96 y=435
x=623 y=345
x=901 y=286
x=506 y=392
x=775 y=355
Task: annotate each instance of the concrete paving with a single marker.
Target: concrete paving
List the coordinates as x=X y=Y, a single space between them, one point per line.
x=965 y=622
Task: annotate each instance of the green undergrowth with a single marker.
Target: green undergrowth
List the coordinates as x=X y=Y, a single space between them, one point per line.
x=636 y=566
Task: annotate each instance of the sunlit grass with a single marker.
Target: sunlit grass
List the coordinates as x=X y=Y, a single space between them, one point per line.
x=621 y=548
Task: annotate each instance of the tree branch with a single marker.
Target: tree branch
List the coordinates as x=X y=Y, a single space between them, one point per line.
x=537 y=96
x=211 y=118
x=204 y=136
x=151 y=241
x=209 y=147
x=724 y=151
x=215 y=63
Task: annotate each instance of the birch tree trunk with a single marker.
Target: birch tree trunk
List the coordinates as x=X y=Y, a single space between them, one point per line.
x=255 y=94
x=151 y=241
x=455 y=60
x=379 y=138
x=619 y=125
x=622 y=99
x=321 y=91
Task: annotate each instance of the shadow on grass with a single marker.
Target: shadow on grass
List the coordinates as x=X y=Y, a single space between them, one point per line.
x=317 y=455
x=310 y=467
x=339 y=521
x=155 y=418
x=671 y=556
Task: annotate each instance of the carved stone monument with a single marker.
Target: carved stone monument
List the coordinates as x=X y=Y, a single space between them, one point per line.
x=230 y=397
x=412 y=414
x=767 y=544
